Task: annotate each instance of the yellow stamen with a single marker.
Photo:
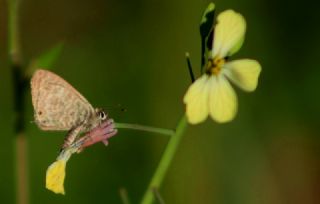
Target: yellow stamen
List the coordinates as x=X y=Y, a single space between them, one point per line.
x=214 y=66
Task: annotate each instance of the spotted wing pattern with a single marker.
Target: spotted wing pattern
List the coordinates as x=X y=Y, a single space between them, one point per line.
x=57 y=105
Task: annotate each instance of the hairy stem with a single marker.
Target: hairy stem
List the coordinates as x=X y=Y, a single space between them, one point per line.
x=165 y=161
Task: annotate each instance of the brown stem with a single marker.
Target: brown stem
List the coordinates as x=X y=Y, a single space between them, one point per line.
x=22 y=170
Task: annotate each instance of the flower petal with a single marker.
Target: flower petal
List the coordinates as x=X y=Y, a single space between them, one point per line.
x=196 y=100
x=56 y=173
x=244 y=73
x=229 y=33
x=222 y=100
x=101 y=133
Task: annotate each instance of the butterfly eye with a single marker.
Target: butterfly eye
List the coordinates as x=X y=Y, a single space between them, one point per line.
x=102 y=115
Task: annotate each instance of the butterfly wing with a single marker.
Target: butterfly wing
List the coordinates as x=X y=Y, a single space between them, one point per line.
x=57 y=105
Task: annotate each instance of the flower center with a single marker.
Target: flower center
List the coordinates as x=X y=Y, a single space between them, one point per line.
x=214 y=66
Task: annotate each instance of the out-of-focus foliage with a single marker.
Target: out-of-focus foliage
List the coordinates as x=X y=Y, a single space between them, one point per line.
x=45 y=60
x=132 y=53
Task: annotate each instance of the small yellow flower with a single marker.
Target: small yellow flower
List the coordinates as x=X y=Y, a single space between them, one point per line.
x=56 y=172
x=212 y=94
x=55 y=176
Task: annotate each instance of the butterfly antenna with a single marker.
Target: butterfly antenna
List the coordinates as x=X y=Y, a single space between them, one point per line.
x=118 y=107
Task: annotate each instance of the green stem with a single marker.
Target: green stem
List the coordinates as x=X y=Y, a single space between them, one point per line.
x=19 y=85
x=13 y=29
x=145 y=128
x=158 y=197
x=165 y=161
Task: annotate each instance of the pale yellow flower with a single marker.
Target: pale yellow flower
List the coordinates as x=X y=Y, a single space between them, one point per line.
x=56 y=172
x=212 y=94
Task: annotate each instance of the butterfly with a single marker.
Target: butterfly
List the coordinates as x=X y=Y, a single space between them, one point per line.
x=58 y=107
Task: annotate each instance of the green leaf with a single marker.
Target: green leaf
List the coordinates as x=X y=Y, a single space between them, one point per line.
x=45 y=60
x=206 y=31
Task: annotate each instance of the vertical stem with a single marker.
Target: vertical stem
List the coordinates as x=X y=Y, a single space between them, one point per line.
x=165 y=161
x=13 y=28
x=19 y=85
x=22 y=190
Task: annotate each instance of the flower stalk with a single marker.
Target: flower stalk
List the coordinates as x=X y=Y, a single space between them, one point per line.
x=145 y=128
x=165 y=161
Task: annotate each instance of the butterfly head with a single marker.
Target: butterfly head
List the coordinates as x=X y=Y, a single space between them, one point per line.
x=101 y=114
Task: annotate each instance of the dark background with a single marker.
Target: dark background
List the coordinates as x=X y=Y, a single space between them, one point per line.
x=132 y=53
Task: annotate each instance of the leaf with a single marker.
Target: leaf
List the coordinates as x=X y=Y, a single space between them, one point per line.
x=45 y=60
x=206 y=31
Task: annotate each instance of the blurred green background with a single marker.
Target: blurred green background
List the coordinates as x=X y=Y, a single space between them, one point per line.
x=132 y=53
